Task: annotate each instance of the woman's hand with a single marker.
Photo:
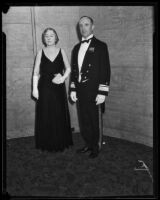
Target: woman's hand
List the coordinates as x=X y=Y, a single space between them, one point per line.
x=58 y=79
x=35 y=93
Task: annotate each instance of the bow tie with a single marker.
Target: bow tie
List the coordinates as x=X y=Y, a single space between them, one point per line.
x=83 y=41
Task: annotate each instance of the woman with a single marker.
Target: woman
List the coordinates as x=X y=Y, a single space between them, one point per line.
x=53 y=130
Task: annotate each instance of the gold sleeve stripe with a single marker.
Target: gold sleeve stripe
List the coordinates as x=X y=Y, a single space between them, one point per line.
x=103 y=88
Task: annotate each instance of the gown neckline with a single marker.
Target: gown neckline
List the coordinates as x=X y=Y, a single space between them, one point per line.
x=49 y=58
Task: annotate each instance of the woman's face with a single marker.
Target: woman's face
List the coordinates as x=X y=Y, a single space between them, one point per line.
x=50 y=38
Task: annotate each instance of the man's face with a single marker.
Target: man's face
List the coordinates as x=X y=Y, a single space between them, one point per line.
x=86 y=27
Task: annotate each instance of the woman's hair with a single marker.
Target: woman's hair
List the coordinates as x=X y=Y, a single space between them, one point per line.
x=49 y=29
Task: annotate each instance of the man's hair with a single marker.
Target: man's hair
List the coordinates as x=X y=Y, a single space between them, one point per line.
x=88 y=18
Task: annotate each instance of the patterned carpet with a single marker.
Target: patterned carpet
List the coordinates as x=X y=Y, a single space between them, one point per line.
x=31 y=172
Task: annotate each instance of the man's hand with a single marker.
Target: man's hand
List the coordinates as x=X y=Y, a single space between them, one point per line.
x=73 y=96
x=100 y=99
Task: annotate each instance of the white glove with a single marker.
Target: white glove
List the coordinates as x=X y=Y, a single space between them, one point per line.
x=73 y=96
x=58 y=79
x=35 y=92
x=100 y=99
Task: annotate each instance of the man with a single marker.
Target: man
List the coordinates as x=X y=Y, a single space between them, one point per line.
x=90 y=78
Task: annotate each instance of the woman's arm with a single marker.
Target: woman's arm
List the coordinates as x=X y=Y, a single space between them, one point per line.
x=37 y=63
x=67 y=65
x=60 y=79
x=36 y=74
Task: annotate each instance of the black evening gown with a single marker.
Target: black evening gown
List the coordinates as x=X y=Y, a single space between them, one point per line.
x=53 y=129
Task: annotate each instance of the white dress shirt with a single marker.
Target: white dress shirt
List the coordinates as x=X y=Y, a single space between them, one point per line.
x=82 y=51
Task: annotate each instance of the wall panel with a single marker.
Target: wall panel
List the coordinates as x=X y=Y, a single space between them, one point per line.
x=19 y=59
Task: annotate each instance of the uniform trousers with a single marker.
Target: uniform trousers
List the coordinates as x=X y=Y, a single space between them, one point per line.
x=89 y=123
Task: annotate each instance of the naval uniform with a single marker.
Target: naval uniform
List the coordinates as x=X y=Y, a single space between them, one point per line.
x=90 y=76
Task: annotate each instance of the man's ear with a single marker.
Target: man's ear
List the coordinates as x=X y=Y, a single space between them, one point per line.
x=93 y=27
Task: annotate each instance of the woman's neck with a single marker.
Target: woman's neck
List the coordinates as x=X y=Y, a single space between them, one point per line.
x=51 y=47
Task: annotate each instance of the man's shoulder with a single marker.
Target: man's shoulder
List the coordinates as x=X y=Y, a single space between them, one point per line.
x=76 y=46
x=100 y=42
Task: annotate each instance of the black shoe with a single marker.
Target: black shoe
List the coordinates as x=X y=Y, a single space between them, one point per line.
x=93 y=154
x=83 y=150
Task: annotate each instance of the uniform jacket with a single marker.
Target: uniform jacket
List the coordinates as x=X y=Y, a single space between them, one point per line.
x=95 y=71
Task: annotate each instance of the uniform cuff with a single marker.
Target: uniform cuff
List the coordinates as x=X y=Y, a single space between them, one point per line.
x=103 y=93
x=72 y=86
x=103 y=89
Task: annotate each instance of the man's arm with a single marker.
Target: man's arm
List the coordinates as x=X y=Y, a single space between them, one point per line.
x=104 y=72
x=72 y=78
x=72 y=88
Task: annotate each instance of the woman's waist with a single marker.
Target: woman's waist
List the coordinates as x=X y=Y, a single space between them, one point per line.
x=47 y=77
x=48 y=82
